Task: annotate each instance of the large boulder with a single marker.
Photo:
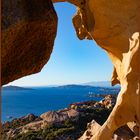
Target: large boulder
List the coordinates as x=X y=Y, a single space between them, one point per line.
x=54 y=117
x=93 y=125
x=123 y=133
x=59 y=116
x=28 y=32
x=72 y=113
x=108 y=102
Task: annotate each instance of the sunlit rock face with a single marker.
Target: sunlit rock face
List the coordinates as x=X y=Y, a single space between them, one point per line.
x=123 y=133
x=28 y=33
x=115 y=26
x=27 y=41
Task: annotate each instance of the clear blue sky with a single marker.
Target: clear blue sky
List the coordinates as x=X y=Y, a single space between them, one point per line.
x=72 y=61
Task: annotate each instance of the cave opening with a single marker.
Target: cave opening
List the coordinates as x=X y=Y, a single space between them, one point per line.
x=72 y=61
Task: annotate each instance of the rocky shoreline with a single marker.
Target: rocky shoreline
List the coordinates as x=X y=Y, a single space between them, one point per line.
x=66 y=124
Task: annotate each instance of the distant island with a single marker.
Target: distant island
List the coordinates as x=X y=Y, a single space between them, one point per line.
x=15 y=88
x=92 y=90
x=101 y=84
x=104 y=84
x=74 y=86
x=87 y=86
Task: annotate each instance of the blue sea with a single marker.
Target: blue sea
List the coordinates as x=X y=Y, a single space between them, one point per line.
x=17 y=103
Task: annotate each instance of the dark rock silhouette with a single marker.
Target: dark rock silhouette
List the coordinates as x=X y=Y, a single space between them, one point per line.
x=28 y=33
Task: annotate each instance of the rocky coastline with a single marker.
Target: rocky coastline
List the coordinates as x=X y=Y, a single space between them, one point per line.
x=66 y=124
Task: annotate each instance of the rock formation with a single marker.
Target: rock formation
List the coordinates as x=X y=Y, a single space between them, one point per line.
x=108 y=102
x=114 y=25
x=123 y=133
x=59 y=116
x=67 y=119
x=28 y=33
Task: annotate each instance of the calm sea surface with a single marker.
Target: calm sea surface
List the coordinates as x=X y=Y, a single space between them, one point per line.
x=17 y=103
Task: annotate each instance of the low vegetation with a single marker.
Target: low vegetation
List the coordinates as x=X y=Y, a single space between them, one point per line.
x=67 y=130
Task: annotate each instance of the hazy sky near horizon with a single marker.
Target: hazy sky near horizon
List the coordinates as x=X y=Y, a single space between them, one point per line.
x=72 y=61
